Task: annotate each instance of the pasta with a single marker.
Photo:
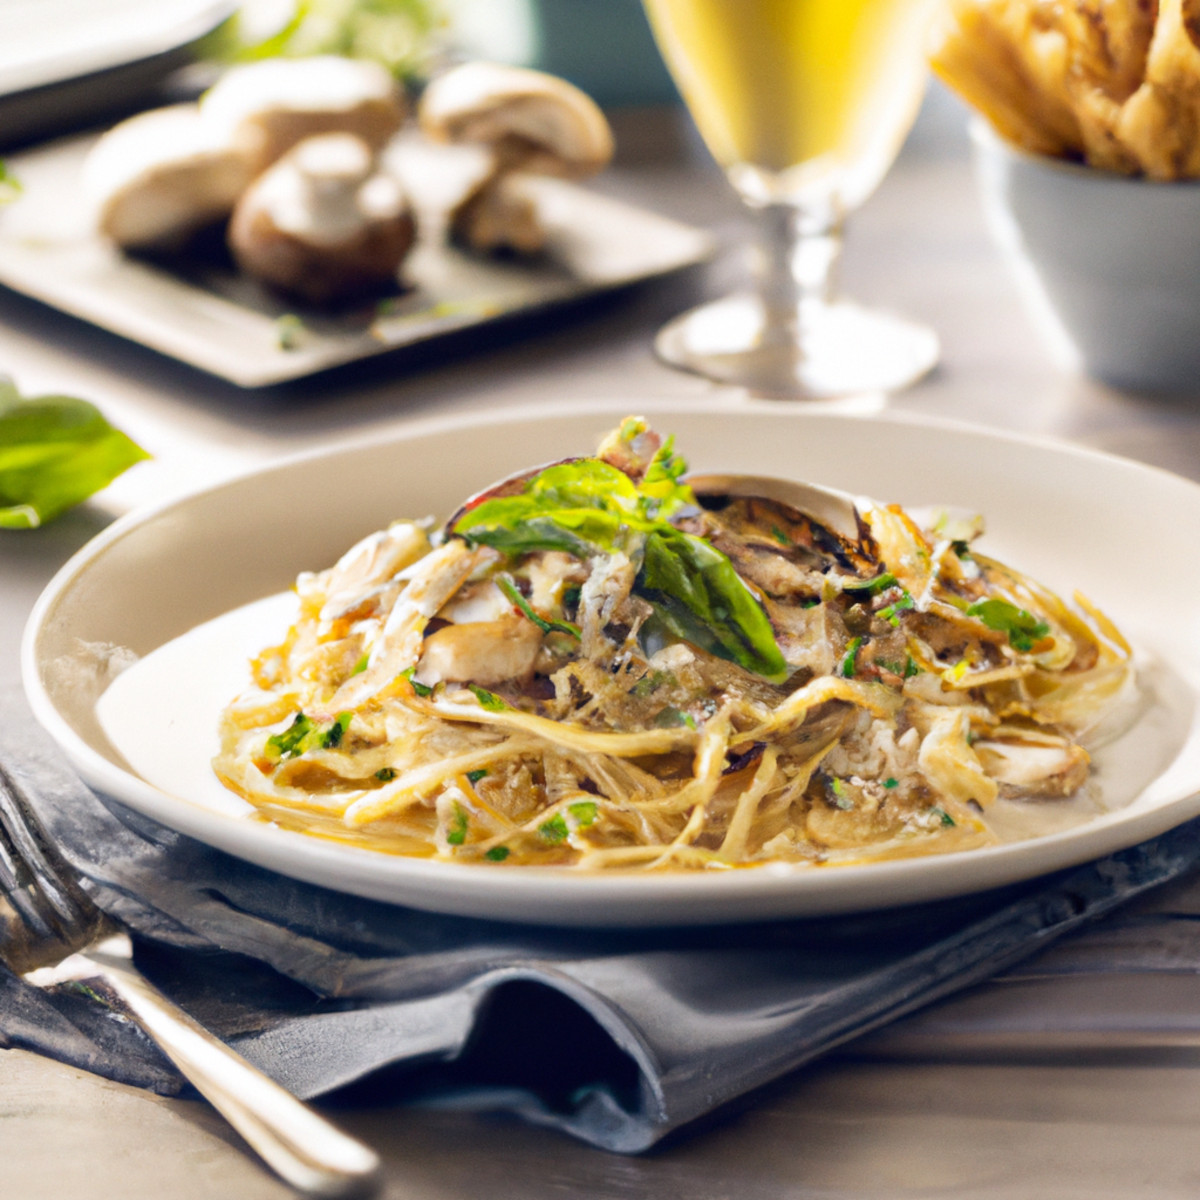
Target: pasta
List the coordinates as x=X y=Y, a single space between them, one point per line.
x=593 y=667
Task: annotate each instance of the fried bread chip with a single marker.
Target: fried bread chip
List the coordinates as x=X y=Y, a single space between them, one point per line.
x=1009 y=59
x=1160 y=123
x=1115 y=83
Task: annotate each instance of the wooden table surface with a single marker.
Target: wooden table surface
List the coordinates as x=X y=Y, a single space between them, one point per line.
x=1121 y=1126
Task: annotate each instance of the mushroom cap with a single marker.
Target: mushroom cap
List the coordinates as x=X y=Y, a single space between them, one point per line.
x=323 y=223
x=159 y=176
x=268 y=107
x=533 y=120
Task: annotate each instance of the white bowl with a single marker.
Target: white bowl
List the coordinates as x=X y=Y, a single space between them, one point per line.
x=1111 y=262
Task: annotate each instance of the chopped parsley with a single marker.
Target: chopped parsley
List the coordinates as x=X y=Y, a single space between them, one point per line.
x=473 y=777
x=554 y=830
x=890 y=783
x=496 y=854
x=942 y=816
x=583 y=812
x=332 y=738
x=457 y=833
x=385 y=774
x=303 y=735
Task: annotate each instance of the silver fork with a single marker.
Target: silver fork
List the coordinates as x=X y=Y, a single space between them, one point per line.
x=51 y=931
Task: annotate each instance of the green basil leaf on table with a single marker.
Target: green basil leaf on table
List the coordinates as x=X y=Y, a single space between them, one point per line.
x=54 y=452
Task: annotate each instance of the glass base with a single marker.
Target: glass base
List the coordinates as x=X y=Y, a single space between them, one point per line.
x=843 y=350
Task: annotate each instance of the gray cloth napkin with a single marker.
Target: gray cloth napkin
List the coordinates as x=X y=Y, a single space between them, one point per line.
x=617 y=1037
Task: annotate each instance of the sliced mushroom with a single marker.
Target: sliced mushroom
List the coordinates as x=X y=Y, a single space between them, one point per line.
x=323 y=223
x=156 y=178
x=268 y=107
x=533 y=124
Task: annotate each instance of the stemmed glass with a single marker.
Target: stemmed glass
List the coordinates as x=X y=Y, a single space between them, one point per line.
x=805 y=104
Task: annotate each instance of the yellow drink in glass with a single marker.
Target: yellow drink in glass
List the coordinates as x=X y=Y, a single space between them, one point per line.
x=805 y=104
x=795 y=95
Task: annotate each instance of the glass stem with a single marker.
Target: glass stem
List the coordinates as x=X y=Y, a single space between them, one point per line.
x=797 y=259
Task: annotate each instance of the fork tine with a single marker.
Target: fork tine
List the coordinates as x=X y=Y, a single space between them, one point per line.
x=35 y=886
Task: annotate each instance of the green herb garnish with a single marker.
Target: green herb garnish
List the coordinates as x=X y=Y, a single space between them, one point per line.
x=583 y=812
x=872 y=587
x=943 y=817
x=554 y=830
x=303 y=735
x=457 y=833
x=473 y=777
x=488 y=700
x=385 y=774
x=848 y=665
x=891 y=783
x=508 y=586
x=420 y=688
x=1023 y=628
x=496 y=854
x=698 y=596
x=54 y=452
x=331 y=739
x=588 y=506
x=891 y=612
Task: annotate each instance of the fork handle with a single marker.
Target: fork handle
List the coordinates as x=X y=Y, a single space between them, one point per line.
x=300 y=1145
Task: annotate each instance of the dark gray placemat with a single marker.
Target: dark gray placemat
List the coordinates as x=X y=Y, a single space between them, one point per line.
x=618 y=1037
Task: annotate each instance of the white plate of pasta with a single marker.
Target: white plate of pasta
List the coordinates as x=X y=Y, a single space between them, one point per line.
x=594 y=697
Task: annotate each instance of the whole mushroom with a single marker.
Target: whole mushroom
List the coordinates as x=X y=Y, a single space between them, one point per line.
x=324 y=223
x=155 y=179
x=266 y=108
x=532 y=123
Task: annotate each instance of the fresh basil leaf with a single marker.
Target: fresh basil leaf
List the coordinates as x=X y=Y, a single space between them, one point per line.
x=54 y=452
x=1023 y=628
x=586 y=505
x=680 y=571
